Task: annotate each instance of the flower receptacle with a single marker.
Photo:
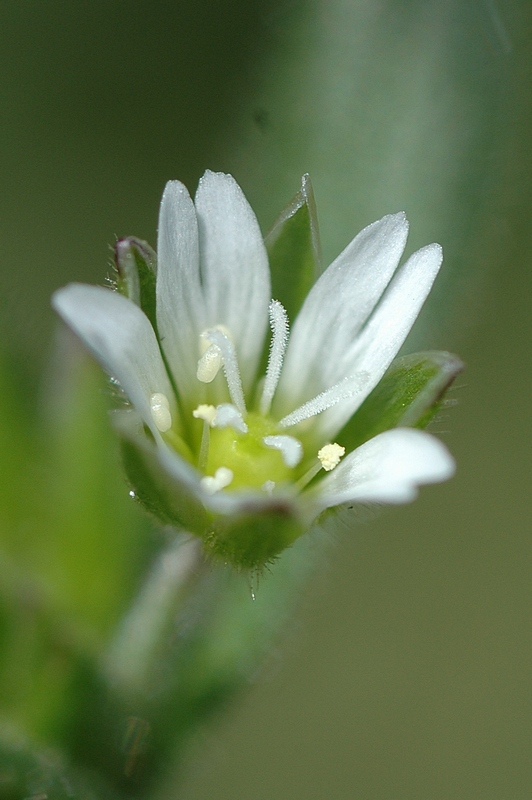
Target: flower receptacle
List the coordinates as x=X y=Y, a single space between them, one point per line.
x=256 y=535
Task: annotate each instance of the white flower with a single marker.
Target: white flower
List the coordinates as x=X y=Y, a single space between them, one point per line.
x=230 y=442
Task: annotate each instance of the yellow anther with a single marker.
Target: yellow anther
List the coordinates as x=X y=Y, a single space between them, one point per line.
x=330 y=456
x=209 y=364
x=205 y=412
x=160 y=411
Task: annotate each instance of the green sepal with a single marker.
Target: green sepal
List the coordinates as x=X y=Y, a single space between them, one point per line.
x=409 y=395
x=136 y=269
x=153 y=487
x=253 y=537
x=293 y=246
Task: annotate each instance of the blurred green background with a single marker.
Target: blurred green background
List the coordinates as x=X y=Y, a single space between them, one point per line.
x=407 y=673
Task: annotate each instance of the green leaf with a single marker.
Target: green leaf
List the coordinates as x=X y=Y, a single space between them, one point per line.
x=294 y=250
x=409 y=395
x=136 y=268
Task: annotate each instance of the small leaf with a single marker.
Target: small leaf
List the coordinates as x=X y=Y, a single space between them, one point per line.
x=294 y=250
x=136 y=267
x=409 y=395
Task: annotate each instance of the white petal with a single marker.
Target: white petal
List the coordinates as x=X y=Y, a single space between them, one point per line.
x=388 y=469
x=234 y=267
x=378 y=343
x=121 y=337
x=180 y=304
x=335 y=310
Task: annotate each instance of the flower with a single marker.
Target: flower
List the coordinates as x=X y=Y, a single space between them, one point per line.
x=238 y=447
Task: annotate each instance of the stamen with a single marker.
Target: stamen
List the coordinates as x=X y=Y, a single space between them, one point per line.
x=205 y=412
x=230 y=365
x=227 y=416
x=209 y=364
x=279 y=325
x=327 y=399
x=330 y=456
x=290 y=448
x=160 y=411
x=222 y=478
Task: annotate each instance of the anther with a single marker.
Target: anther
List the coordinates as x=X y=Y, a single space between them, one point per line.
x=205 y=412
x=209 y=364
x=328 y=458
x=330 y=455
x=160 y=411
x=222 y=478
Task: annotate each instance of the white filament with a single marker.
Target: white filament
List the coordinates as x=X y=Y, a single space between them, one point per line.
x=290 y=448
x=279 y=325
x=160 y=411
x=230 y=365
x=330 y=397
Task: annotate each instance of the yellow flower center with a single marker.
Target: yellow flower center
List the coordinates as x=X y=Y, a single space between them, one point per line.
x=252 y=463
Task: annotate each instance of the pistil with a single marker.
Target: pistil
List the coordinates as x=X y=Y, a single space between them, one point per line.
x=279 y=326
